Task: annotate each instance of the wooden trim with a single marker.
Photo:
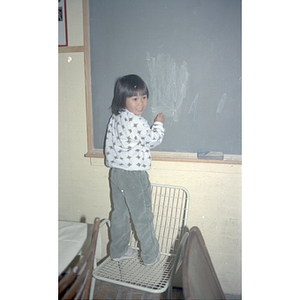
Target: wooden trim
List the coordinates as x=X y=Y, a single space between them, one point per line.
x=177 y=157
x=87 y=71
x=70 y=49
x=96 y=153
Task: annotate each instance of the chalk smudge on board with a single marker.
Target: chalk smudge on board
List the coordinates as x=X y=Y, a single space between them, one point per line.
x=193 y=107
x=221 y=105
x=169 y=83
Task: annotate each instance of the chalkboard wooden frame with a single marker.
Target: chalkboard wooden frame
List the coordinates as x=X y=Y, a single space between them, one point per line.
x=98 y=153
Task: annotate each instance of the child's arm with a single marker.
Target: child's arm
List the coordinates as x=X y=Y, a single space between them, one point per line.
x=157 y=131
x=143 y=133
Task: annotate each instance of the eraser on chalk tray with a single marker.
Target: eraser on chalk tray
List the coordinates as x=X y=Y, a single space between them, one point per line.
x=212 y=155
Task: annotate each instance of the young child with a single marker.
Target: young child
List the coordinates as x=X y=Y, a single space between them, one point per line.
x=129 y=139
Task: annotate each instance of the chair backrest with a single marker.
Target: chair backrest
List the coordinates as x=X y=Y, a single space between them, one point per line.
x=199 y=278
x=170 y=209
x=77 y=283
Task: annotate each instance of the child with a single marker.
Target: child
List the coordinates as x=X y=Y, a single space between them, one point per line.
x=129 y=139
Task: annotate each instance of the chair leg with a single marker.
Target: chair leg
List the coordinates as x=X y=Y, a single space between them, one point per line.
x=92 y=288
x=178 y=261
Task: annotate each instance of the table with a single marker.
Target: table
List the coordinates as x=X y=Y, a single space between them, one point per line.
x=71 y=237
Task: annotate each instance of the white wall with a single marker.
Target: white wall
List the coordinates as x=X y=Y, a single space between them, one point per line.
x=215 y=189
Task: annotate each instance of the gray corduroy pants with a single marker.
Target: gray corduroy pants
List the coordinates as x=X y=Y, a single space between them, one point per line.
x=131 y=196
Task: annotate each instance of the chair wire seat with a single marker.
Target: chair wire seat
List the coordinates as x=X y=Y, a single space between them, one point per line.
x=170 y=209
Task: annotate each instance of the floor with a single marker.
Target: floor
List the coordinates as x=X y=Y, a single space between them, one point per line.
x=105 y=291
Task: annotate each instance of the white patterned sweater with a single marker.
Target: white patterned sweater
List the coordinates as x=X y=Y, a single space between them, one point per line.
x=129 y=139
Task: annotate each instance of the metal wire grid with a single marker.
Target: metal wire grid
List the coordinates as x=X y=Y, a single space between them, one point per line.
x=133 y=273
x=170 y=216
x=170 y=205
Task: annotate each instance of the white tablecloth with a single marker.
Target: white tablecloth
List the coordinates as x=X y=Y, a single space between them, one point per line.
x=71 y=237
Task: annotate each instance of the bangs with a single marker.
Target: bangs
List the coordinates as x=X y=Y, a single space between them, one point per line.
x=135 y=90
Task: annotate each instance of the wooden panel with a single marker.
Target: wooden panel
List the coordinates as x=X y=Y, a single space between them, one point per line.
x=199 y=278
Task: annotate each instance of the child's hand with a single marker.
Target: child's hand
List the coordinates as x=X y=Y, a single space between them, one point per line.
x=160 y=118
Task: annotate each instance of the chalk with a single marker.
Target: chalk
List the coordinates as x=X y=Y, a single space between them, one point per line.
x=212 y=155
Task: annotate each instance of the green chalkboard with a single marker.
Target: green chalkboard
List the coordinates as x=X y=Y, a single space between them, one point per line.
x=189 y=54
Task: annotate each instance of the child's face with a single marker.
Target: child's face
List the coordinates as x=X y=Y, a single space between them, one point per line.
x=136 y=104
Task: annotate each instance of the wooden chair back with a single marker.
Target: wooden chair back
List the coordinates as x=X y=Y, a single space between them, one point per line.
x=77 y=283
x=199 y=278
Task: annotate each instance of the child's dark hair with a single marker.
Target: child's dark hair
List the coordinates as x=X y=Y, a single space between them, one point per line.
x=127 y=86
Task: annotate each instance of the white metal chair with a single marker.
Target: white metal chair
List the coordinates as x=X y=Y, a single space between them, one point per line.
x=170 y=208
